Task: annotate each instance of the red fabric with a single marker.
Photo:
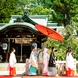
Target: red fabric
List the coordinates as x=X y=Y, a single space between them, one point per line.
x=12 y=71
x=70 y=72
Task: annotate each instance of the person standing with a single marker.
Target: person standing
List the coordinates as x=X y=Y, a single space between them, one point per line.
x=52 y=63
x=12 y=62
x=40 y=61
x=33 y=66
x=69 y=63
x=45 y=62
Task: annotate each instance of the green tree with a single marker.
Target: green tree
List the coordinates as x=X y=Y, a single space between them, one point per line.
x=70 y=40
x=62 y=11
x=39 y=10
x=65 y=10
x=8 y=8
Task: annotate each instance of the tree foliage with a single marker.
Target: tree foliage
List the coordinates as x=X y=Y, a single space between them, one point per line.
x=65 y=10
x=39 y=10
x=62 y=11
x=8 y=8
x=70 y=40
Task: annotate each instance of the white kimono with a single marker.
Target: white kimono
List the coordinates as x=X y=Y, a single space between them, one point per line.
x=33 y=68
x=69 y=61
x=12 y=60
x=69 y=64
x=12 y=63
x=33 y=59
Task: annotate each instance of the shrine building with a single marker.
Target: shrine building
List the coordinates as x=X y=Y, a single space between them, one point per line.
x=21 y=33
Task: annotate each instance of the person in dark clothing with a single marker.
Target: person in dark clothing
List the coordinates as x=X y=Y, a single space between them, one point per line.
x=52 y=64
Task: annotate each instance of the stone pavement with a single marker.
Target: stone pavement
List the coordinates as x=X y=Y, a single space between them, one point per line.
x=7 y=72
x=4 y=76
x=20 y=74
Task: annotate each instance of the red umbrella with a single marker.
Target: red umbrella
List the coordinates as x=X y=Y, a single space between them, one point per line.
x=49 y=32
x=45 y=30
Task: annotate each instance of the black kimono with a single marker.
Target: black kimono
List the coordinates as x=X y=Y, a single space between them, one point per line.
x=52 y=65
x=52 y=60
